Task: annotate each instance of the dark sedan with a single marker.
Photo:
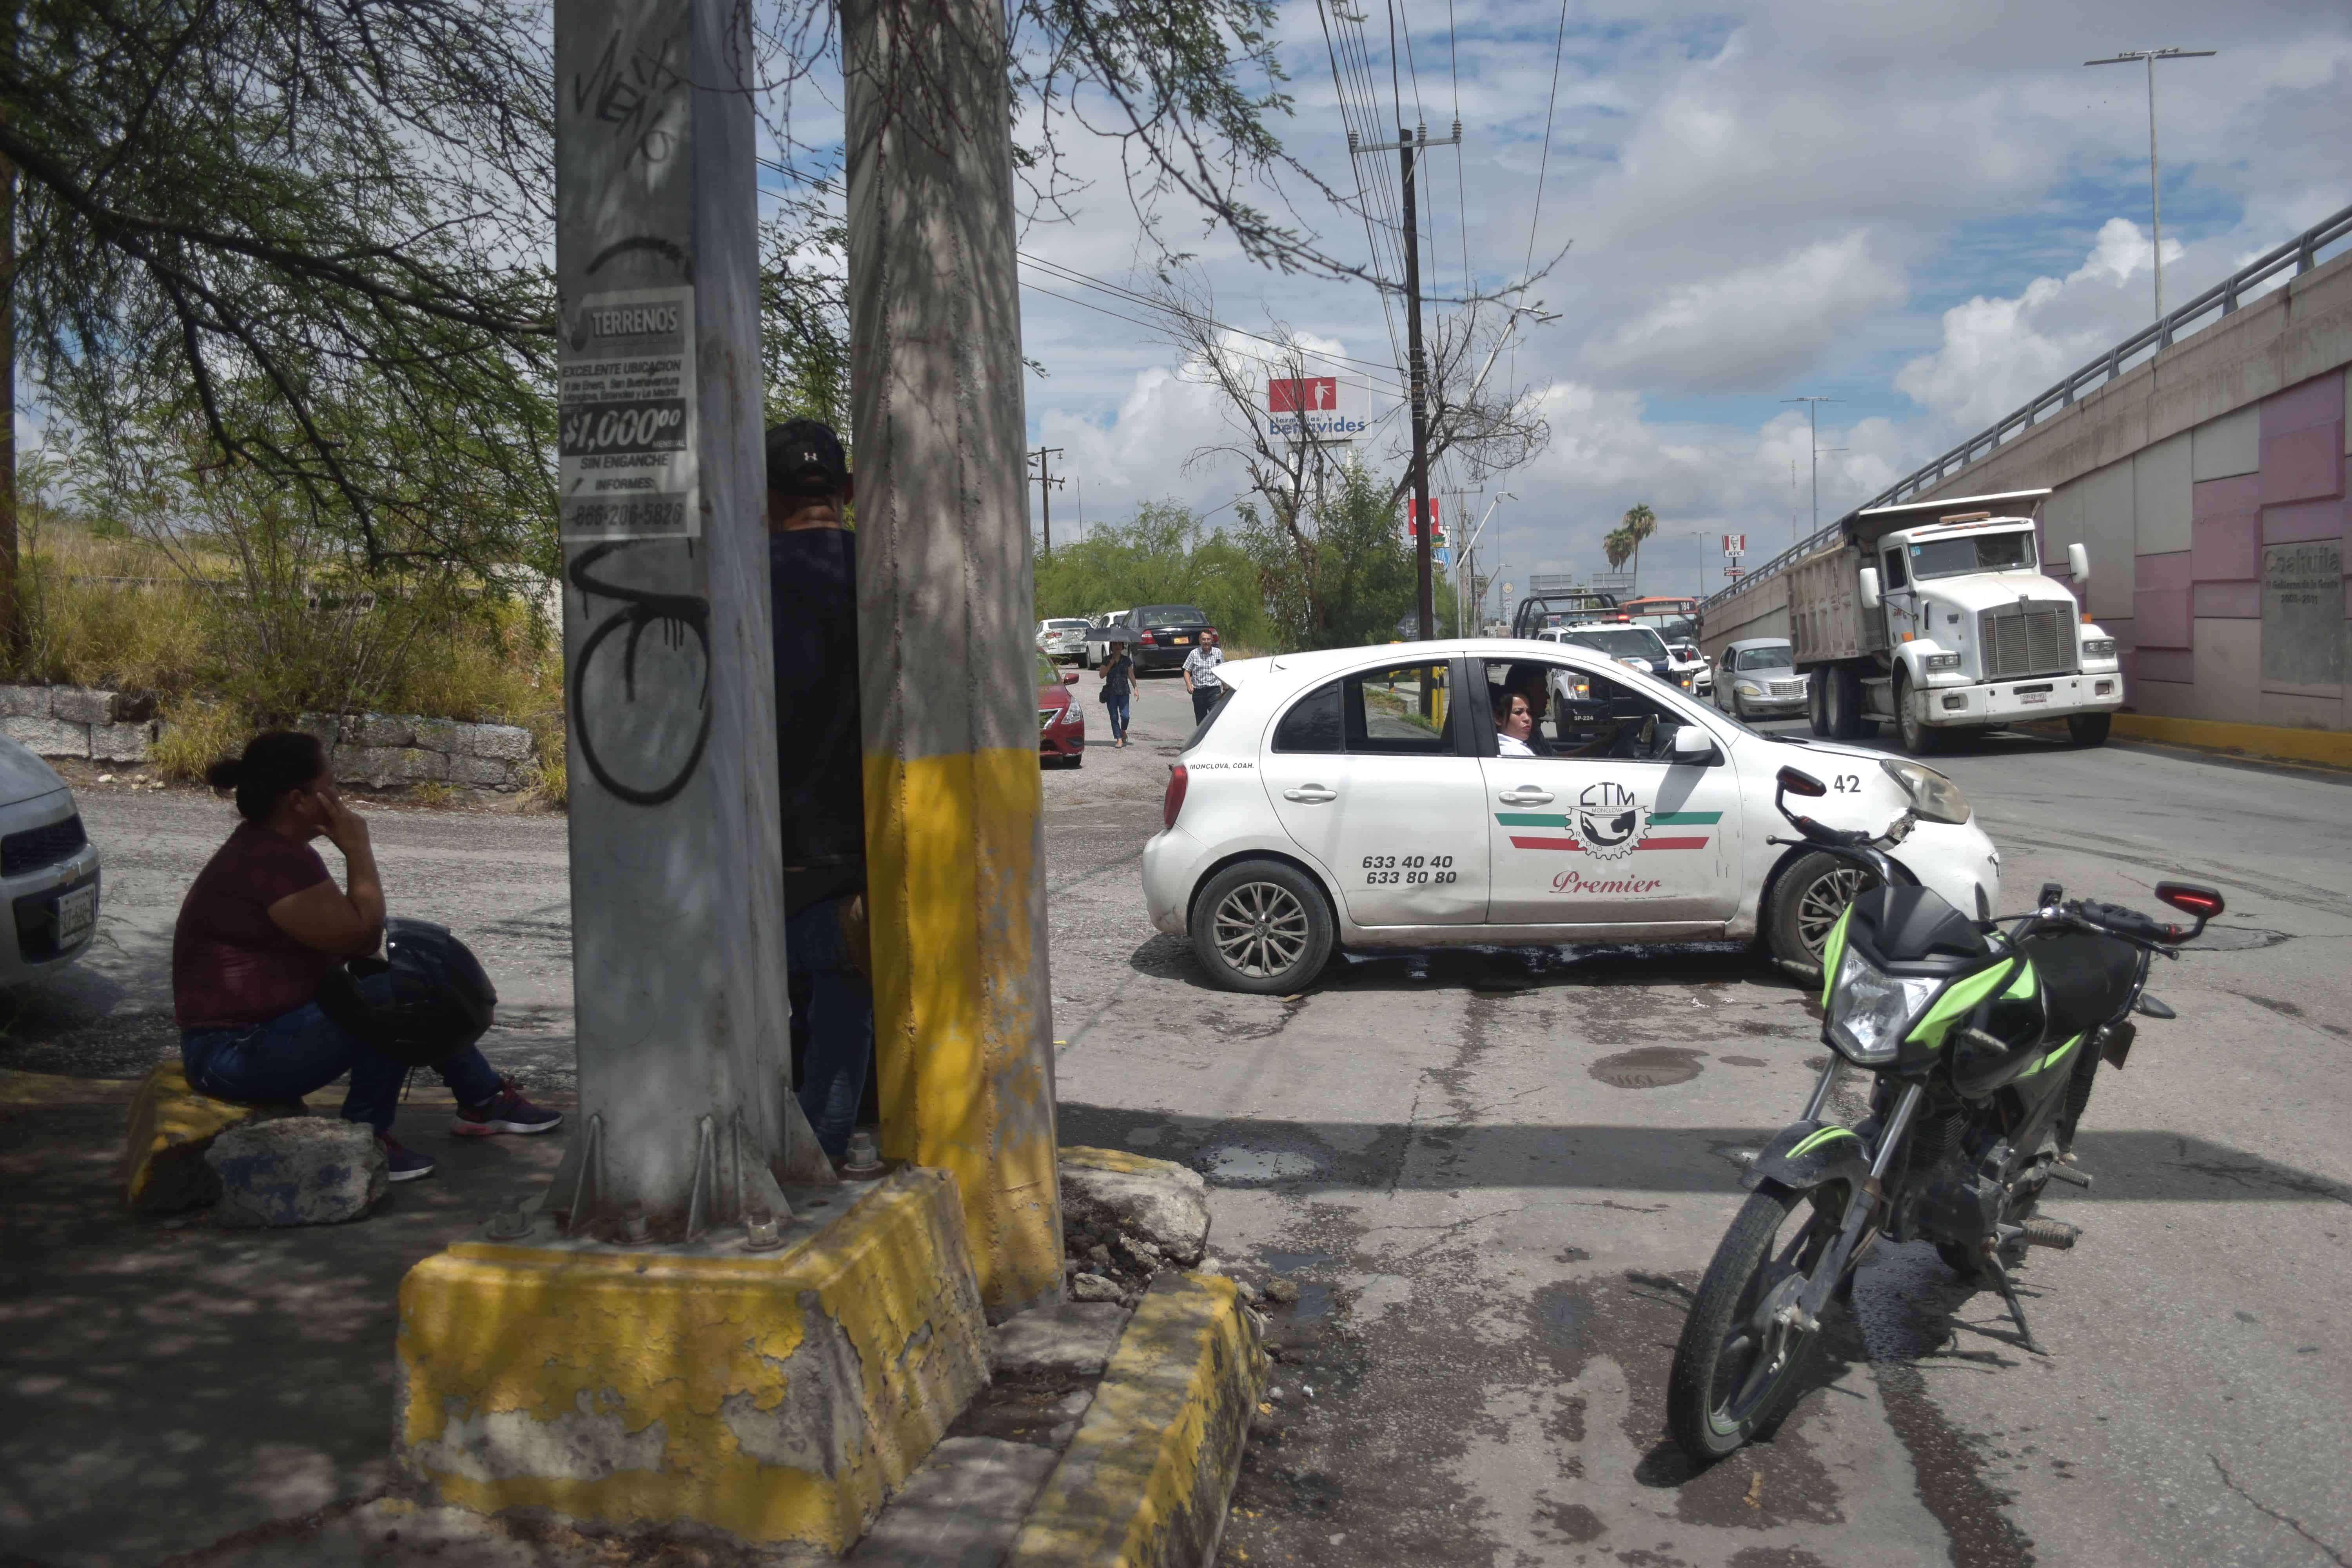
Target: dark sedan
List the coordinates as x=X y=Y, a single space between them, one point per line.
x=1165 y=635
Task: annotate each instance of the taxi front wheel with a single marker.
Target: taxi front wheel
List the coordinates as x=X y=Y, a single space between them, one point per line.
x=1262 y=926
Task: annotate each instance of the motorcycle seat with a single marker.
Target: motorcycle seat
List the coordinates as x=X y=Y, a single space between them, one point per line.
x=2086 y=980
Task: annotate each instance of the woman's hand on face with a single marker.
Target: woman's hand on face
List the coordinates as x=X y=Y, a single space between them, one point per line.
x=346 y=828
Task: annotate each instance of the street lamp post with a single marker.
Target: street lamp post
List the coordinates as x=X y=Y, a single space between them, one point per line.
x=1813 y=436
x=2154 y=188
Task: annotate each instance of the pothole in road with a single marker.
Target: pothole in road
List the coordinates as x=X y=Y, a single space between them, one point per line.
x=1647 y=1066
x=1237 y=1165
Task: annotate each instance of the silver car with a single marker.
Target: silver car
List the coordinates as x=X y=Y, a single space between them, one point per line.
x=48 y=868
x=1758 y=679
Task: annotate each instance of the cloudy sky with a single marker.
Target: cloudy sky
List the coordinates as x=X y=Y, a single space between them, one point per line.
x=1929 y=213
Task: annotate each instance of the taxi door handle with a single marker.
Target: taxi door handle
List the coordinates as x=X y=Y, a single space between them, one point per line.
x=1311 y=795
x=1528 y=796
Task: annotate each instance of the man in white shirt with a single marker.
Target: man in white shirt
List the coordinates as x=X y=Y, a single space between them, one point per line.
x=1200 y=677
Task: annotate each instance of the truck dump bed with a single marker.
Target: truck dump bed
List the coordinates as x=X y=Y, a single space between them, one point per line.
x=1825 y=615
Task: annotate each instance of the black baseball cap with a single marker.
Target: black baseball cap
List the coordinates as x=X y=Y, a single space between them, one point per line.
x=806 y=461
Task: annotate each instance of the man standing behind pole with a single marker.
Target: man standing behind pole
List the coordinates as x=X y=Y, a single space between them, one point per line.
x=1200 y=677
x=820 y=784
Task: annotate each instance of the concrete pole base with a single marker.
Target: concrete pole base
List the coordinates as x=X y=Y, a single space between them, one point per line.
x=756 y=1391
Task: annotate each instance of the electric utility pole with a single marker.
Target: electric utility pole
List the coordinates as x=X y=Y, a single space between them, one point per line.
x=1813 y=427
x=1406 y=145
x=1046 y=485
x=2155 y=192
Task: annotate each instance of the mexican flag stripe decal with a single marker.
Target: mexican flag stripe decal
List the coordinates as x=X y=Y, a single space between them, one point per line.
x=1558 y=821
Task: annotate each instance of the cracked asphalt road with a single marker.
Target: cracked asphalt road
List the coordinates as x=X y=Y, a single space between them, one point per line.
x=1496 y=1175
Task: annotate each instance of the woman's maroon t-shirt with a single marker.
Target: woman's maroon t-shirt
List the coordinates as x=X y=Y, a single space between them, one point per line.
x=232 y=965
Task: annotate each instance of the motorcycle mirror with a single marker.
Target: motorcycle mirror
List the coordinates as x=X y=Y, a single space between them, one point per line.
x=2051 y=895
x=1795 y=782
x=2190 y=900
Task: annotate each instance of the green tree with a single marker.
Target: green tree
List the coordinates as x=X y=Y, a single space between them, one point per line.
x=1163 y=555
x=1617 y=547
x=1639 y=524
x=1338 y=574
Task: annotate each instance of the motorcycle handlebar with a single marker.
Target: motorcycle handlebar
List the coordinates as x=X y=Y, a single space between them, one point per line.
x=2129 y=924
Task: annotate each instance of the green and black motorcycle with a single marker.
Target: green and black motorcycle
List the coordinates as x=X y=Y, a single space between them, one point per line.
x=1984 y=1036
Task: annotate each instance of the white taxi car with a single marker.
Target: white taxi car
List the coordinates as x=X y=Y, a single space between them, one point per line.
x=1363 y=798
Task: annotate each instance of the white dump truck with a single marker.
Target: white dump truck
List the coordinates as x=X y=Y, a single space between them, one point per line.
x=1936 y=614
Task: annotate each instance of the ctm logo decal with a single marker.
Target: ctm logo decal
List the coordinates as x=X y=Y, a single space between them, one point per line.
x=1607 y=823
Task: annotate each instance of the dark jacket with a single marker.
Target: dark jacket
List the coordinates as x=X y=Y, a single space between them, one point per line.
x=820 y=743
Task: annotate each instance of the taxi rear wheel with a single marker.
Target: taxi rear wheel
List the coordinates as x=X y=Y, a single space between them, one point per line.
x=1262 y=926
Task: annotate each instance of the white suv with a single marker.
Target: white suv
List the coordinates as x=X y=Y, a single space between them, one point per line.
x=1347 y=799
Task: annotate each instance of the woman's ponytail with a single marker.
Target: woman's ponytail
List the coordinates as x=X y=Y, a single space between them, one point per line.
x=275 y=763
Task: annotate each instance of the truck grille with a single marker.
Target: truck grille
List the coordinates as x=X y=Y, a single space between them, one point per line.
x=2027 y=640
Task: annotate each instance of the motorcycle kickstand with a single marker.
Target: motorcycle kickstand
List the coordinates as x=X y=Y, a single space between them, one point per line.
x=2008 y=1294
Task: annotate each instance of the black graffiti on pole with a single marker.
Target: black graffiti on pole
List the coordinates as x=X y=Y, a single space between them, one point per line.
x=676 y=615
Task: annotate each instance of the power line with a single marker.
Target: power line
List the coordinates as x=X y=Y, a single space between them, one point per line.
x=1072 y=275
x=1543 y=167
x=1387 y=386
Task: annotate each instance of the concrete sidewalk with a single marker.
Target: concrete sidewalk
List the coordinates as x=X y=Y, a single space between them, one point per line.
x=168 y=1383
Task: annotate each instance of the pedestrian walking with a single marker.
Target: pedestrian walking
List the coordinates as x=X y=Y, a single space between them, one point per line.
x=812 y=578
x=1200 y=677
x=1118 y=688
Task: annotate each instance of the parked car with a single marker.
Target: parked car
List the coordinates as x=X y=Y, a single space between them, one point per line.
x=1062 y=637
x=1760 y=680
x=1163 y=634
x=1061 y=720
x=1320 y=807
x=1097 y=644
x=48 y=868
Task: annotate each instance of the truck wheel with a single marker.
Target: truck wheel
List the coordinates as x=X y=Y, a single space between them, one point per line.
x=2088 y=729
x=1806 y=902
x=1817 y=702
x=1844 y=704
x=1919 y=738
x=1262 y=926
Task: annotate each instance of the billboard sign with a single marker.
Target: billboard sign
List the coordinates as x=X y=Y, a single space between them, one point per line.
x=1319 y=407
x=1412 y=520
x=1735 y=545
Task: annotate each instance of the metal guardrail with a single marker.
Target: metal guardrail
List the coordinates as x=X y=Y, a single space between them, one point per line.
x=2301 y=253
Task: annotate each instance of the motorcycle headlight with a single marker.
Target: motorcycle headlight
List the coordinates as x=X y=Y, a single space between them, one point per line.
x=1933 y=796
x=1869 y=1012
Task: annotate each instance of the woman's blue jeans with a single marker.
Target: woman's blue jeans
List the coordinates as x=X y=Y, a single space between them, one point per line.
x=1117 y=707
x=301 y=1052
x=840 y=1021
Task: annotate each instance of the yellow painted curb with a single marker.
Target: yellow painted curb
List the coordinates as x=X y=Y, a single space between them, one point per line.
x=763 y=1397
x=56 y=1088
x=2332 y=748
x=172 y=1125
x=1146 y=1480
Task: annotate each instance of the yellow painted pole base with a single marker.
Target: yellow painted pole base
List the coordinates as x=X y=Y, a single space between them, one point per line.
x=754 y=1396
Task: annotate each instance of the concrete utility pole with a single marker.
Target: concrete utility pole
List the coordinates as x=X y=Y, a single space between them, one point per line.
x=1047 y=484
x=955 y=864
x=1813 y=428
x=2155 y=186
x=676 y=881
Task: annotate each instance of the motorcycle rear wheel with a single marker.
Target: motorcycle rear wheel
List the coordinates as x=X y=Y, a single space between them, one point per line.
x=1735 y=1365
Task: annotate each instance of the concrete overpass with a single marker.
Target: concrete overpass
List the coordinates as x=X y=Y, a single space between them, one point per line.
x=2202 y=464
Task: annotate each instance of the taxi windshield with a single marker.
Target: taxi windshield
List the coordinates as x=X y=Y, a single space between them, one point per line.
x=1617 y=642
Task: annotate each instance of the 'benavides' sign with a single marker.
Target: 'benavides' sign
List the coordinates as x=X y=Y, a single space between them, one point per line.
x=1318 y=408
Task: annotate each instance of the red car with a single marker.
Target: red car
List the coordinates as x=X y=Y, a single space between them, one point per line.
x=1061 y=723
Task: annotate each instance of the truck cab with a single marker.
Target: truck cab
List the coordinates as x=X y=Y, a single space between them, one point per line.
x=1949 y=623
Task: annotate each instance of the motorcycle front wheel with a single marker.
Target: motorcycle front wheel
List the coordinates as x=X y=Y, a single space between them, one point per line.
x=1737 y=1361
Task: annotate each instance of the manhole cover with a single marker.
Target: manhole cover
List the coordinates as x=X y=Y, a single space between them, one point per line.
x=1650 y=1067
x=2234 y=938
x=1232 y=1164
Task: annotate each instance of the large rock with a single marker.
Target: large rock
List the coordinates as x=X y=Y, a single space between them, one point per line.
x=505 y=742
x=313 y=1170
x=172 y=1128
x=25 y=701
x=393 y=731
x=383 y=766
x=484 y=772
x=81 y=705
x=1156 y=1200
x=122 y=742
x=48 y=737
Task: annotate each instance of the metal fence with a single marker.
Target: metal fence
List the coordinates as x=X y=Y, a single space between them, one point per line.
x=2296 y=257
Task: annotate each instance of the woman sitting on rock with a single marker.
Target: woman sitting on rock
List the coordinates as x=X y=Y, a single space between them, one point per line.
x=264 y=924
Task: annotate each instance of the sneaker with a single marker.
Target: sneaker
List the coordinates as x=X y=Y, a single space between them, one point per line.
x=505 y=1111
x=406 y=1164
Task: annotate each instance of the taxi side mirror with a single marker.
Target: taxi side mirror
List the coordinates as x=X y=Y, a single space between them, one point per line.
x=1692 y=744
